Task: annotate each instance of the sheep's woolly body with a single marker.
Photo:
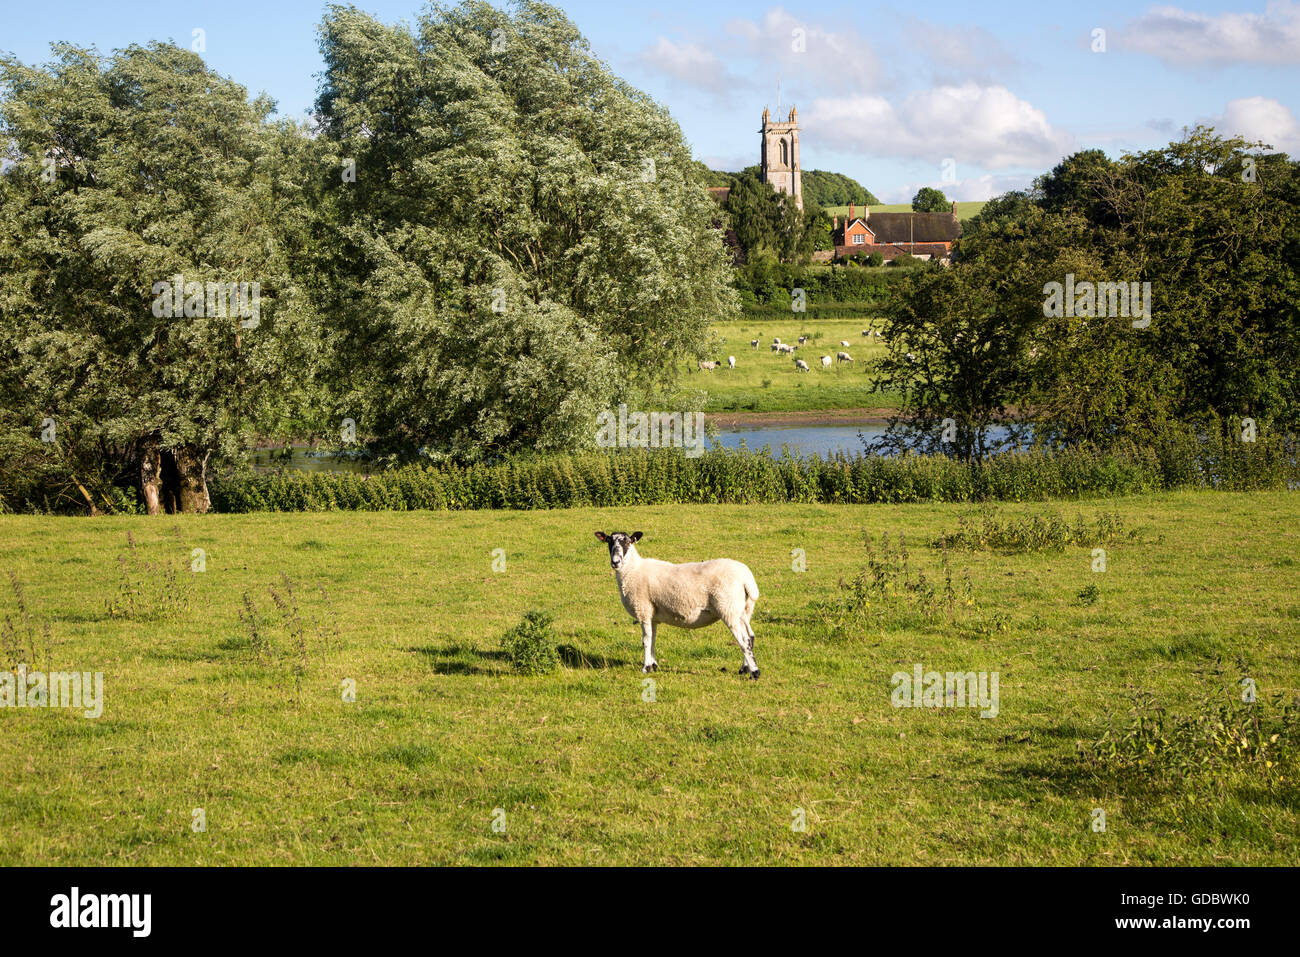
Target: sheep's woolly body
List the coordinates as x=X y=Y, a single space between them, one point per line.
x=692 y=595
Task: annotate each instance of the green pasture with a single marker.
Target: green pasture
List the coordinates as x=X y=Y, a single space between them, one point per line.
x=220 y=696
x=767 y=381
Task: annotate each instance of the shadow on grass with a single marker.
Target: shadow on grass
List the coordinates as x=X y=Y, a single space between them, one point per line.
x=576 y=658
x=463 y=659
x=460 y=659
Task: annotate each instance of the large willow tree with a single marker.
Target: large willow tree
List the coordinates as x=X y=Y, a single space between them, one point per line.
x=124 y=173
x=511 y=237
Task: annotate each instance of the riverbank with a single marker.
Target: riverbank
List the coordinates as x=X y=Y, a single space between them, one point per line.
x=800 y=417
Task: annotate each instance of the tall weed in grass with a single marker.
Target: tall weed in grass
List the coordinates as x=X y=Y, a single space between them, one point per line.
x=891 y=591
x=22 y=639
x=1042 y=531
x=279 y=640
x=151 y=588
x=1224 y=741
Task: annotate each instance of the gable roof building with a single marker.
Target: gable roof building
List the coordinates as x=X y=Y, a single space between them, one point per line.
x=921 y=234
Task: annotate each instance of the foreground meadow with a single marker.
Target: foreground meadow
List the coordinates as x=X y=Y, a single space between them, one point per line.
x=216 y=699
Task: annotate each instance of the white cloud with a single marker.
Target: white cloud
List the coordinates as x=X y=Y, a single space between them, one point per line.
x=985 y=126
x=690 y=64
x=1185 y=39
x=1260 y=118
x=751 y=54
x=958 y=52
x=838 y=59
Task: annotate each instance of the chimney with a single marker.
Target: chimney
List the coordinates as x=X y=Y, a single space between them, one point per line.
x=852 y=214
x=954 y=207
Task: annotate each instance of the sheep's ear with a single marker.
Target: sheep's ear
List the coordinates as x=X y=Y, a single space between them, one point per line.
x=602 y=536
x=636 y=537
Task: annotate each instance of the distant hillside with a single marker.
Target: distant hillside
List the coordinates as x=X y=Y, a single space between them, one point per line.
x=834 y=189
x=965 y=210
x=819 y=187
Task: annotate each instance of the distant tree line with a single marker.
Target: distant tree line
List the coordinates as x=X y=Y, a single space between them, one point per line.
x=1196 y=246
x=486 y=238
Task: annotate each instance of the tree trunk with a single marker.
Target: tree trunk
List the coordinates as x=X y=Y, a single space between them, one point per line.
x=151 y=476
x=192 y=466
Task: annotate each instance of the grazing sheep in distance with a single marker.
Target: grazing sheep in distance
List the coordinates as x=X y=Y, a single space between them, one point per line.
x=753 y=343
x=844 y=343
x=802 y=340
x=731 y=362
x=786 y=348
x=866 y=332
x=704 y=366
x=843 y=357
x=776 y=347
x=690 y=595
x=800 y=365
x=826 y=362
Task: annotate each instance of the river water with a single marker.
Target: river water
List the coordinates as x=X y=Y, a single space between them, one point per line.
x=803 y=440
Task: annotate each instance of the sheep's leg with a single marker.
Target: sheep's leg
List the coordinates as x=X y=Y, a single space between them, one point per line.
x=740 y=631
x=648 y=629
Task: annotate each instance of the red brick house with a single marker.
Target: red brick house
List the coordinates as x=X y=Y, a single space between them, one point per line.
x=891 y=234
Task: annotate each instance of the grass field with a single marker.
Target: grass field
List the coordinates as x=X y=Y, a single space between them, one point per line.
x=766 y=381
x=965 y=209
x=201 y=712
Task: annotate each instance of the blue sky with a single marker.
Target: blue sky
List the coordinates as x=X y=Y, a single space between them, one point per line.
x=973 y=98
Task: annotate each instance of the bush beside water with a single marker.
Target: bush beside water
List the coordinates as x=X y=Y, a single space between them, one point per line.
x=729 y=476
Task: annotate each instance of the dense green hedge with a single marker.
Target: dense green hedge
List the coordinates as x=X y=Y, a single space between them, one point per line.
x=813 y=313
x=653 y=477
x=768 y=284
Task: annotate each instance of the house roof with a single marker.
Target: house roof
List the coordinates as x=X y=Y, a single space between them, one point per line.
x=914 y=227
x=720 y=193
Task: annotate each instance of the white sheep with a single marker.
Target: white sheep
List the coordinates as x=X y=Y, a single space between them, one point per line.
x=691 y=595
x=802 y=340
x=866 y=332
x=776 y=347
x=704 y=366
x=800 y=365
x=844 y=343
x=826 y=362
x=784 y=347
x=753 y=343
x=843 y=357
x=731 y=362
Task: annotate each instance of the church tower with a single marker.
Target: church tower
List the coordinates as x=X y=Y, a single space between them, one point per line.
x=780 y=165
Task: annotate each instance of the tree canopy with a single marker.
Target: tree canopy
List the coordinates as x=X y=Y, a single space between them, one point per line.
x=930 y=200
x=526 y=239
x=1201 y=237
x=834 y=189
x=131 y=174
